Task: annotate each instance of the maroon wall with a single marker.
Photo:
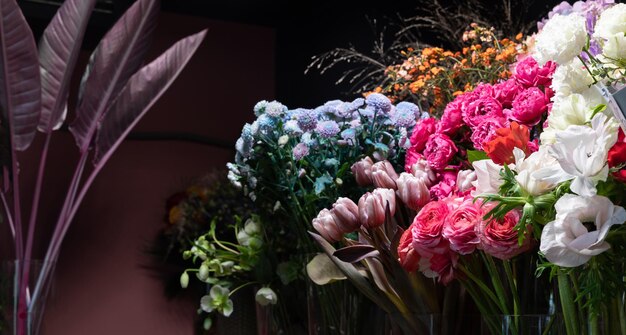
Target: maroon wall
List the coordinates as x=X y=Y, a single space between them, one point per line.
x=100 y=285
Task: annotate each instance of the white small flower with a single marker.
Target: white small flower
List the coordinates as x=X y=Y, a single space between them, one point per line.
x=582 y=153
x=488 y=179
x=283 y=140
x=567 y=241
x=562 y=38
x=266 y=296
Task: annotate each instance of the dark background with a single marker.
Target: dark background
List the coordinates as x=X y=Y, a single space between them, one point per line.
x=303 y=29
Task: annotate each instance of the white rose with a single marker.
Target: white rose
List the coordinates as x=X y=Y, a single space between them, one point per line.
x=611 y=22
x=562 y=38
x=567 y=241
x=569 y=78
x=615 y=46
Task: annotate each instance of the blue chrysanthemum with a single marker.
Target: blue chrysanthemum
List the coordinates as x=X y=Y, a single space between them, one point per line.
x=266 y=123
x=379 y=102
x=410 y=107
x=327 y=129
x=291 y=128
x=403 y=118
x=306 y=118
x=259 y=108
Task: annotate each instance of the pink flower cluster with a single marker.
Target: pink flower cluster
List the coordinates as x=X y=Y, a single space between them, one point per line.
x=446 y=229
x=525 y=98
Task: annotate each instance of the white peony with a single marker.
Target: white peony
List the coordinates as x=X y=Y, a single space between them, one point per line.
x=615 y=46
x=569 y=78
x=582 y=155
x=526 y=166
x=562 y=38
x=612 y=21
x=568 y=241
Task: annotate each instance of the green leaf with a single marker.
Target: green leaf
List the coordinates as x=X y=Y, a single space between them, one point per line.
x=476 y=155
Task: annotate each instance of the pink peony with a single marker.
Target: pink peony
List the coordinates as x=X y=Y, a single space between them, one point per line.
x=421 y=132
x=445 y=187
x=452 y=117
x=499 y=237
x=528 y=107
x=484 y=90
x=481 y=108
x=426 y=229
x=506 y=91
x=460 y=227
x=528 y=73
x=439 y=151
x=486 y=131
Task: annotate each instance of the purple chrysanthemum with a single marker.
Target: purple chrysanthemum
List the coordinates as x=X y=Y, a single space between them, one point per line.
x=291 y=127
x=306 y=118
x=300 y=151
x=327 y=129
x=275 y=109
x=379 y=102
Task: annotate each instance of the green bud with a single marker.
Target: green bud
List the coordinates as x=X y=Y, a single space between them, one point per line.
x=203 y=272
x=187 y=254
x=255 y=243
x=208 y=322
x=184 y=280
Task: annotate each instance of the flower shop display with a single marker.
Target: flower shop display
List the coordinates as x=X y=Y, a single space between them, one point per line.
x=116 y=91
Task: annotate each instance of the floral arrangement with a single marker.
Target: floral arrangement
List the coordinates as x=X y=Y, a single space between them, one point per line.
x=431 y=77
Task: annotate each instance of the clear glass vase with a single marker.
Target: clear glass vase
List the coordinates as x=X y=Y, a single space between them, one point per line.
x=536 y=324
x=25 y=317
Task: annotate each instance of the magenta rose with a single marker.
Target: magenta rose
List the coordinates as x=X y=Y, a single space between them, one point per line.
x=452 y=117
x=426 y=229
x=528 y=107
x=486 y=131
x=421 y=132
x=480 y=108
x=506 y=91
x=439 y=151
x=460 y=227
x=445 y=187
x=500 y=239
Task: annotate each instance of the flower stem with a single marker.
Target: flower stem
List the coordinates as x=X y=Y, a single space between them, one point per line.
x=567 y=304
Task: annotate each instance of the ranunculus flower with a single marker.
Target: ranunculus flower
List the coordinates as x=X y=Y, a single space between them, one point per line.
x=579 y=229
x=529 y=74
x=615 y=46
x=421 y=132
x=372 y=207
x=617 y=156
x=445 y=187
x=440 y=265
x=409 y=258
x=528 y=107
x=412 y=190
x=499 y=238
x=362 y=171
x=439 y=151
x=500 y=148
x=426 y=229
x=480 y=108
x=383 y=175
x=506 y=91
x=486 y=131
x=452 y=118
x=460 y=227
x=562 y=38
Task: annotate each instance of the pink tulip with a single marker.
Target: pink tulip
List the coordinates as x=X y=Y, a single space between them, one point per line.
x=325 y=224
x=383 y=175
x=362 y=171
x=346 y=214
x=412 y=191
x=372 y=207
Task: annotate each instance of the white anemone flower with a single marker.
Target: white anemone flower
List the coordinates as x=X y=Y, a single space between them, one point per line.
x=526 y=166
x=579 y=230
x=488 y=179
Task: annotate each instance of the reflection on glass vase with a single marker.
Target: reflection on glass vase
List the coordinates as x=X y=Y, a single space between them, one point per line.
x=336 y=308
x=536 y=324
x=15 y=318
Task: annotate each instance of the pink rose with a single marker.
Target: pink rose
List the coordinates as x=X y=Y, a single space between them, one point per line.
x=506 y=91
x=480 y=108
x=486 y=131
x=499 y=237
x=528 y=107
x=445 y=187
x=426 y=229
x=460 y=227
x=421 y=132
x=439 y=151
x=452 y=117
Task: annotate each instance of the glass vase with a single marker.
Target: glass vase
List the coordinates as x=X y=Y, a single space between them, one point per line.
x=536 y=324
x=23 y=318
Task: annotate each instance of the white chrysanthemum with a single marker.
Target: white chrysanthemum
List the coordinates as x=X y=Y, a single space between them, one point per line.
x=571 y=77
x=562 y=38
x=612 y=21
x=573 y=109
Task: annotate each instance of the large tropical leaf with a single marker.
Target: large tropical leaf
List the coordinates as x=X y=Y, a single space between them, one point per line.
x=141 y=92
x=58 y=51
x=115 y=60
x=20 y=87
